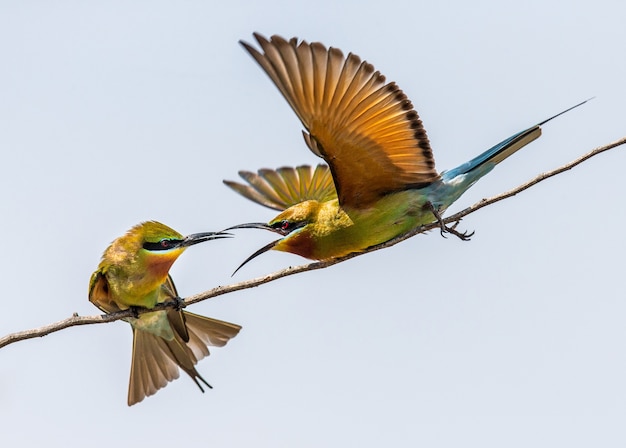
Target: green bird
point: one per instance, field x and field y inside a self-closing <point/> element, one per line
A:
<point x="134" y="273"/>
<point x="380" y="181"/>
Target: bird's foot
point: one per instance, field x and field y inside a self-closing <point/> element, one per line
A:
<point x="463" y="236"/>
<point x="443" y="228"/>
<point x="135" y="311"/>
<point x="179" y="303"/>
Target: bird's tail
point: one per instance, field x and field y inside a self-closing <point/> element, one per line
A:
<point x="456" y="181"/>
<point x="155" y="360"/>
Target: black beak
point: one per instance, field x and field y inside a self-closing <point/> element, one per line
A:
<point x="256" y="254"/>
<point x="196" y="238"/>
<point x="258" y="225"/>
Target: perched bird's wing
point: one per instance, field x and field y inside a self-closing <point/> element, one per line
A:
<point x="99" y="293"/>
<point x="175" y="317"/>
<point x="364" y="128"/>
<point x="280" y="189"/>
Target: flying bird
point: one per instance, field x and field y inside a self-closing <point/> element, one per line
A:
<point x="134" y="274"/>
<point x="380" y="179"/>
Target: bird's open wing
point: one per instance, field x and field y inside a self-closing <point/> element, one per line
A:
<point x="364" y="128"/>
<point x="280" y="189"/>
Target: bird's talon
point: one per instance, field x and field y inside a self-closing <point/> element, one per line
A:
<point x="135" y="311"/>
<point x="464" y="236"/>
<point x="179" y="303"/>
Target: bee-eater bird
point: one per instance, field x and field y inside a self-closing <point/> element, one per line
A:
<point x="134" y="273"/>
<point x="380" y="181"/>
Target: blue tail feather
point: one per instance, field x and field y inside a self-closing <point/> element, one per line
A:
<point x="457" y="180"/>
<point x="505" y="148"/>
<point x="495" y="154"/>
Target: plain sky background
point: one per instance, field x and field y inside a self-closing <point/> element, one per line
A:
<point x="116" y="112"/>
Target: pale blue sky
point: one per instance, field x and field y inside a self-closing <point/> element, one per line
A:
<point x="116" y="112"/>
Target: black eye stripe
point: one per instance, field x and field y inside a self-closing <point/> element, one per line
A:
<point x="282" y="225"/>
<point x="286" y="226"/>
<point x="164" y="244"/>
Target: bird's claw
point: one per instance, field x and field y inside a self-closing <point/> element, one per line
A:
<point x="179" y="303"/>
<point x="463" y="236"/>
<point x="443" y="228"/>
<point x="135" y="311"/>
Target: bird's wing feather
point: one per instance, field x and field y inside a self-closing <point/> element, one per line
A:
<point x="280" y="189"/>
<point x="99" y="293"/>
<point x="175" y="317"/>
<point x="364" y="128"/>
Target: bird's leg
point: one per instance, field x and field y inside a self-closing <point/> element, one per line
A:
<point x="464" y="236"/>
<point x="435" y="212"/>
<point x="135" y="311"/>
<point x="179" y="303"/>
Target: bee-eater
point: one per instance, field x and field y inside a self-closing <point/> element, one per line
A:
<point x="380" y="181"/>
<point x="134" y="273"/>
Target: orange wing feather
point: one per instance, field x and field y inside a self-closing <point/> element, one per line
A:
<point x="364" y="128"/>
<point x="280" y="189"/>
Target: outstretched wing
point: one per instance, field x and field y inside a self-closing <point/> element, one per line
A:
<point x="280" y="189"/>
<point x="364" y="128"/>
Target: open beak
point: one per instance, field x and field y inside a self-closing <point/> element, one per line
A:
<point x="256" y="254"/>
<point x="196" y="238"/>
<point x="258" y="225"/>
<point x="263" y="226"/>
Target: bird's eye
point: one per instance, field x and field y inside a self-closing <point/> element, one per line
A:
<point x="283" y="225"/>
<point x="166" y="244"/>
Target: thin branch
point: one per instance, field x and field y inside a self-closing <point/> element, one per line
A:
<point x="60" y="325"/>
<point x="221" y="290"/>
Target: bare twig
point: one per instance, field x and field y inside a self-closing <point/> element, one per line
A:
<point x="221" y="290"/>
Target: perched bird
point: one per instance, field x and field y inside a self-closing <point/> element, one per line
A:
<point x="133" y="273"/>
<point x="380" y="181"/>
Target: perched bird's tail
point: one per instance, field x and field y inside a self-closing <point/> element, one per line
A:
<point x="456" y="181"/>
<point x="155" y="360"/>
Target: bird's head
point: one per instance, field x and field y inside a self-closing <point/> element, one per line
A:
<point x="296" y="225"/>
<point x="153" y="246"/>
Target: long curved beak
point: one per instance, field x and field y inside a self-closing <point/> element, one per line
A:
<point x="256" y="254"/>
<point x="196" y="238"/>
<point x="256" y="225"/>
